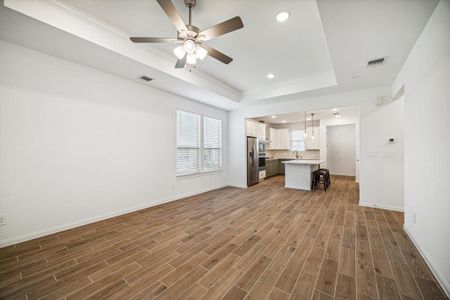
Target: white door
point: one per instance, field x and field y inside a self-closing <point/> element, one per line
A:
<point x="341" y="150"/>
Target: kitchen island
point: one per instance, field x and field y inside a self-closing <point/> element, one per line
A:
<point x="298" y="173"/>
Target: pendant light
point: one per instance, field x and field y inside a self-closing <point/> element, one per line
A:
<point x="312" y="126"/>
<point x="304" y="130"/>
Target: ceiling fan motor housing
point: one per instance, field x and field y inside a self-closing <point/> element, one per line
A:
<point x="192" y="32"/>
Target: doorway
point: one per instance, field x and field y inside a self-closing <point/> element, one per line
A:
<point x="341" y="150"/>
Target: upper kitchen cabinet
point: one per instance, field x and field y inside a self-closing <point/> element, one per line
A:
<point x="256" y="129"/>
<point x="310" y="143"/>
<point x="279" y="138"/>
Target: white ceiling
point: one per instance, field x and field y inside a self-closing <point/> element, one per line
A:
<point x="28" y="32"/>
<point x="293" y="49"/>
<point x="319" y="50"/>
<point x="360" y="30"/>
<point x="296" y="117"/>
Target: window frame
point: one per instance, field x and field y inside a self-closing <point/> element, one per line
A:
<point x="291" y="140"/>
<point x="201" y="170"/>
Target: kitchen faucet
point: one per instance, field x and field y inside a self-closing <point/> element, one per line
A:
<point x="296" y="155"/>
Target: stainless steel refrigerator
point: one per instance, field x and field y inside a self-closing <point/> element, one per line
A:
<point x="252" y="161"/>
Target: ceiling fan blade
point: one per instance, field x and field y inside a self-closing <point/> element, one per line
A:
<point x="173" y="14"/>
<point x="180" y="63"/>
<point x="154" y="40"/>
<point x="217" y="54"/>
<point x="221" y="29"/>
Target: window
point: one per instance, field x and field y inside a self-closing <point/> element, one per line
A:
<point x="297" y="140"/>
<point x="199" y="143"/>
<point x="188" y="143"/>
<point x="212" y="144"/>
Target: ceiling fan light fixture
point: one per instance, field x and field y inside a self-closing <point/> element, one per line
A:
<point x="191" y="59"/>
<point x="283" y="16"/>
<point x="201" y="52"/>
<point x="189" y="46"/>
<point x="179" y="52"/>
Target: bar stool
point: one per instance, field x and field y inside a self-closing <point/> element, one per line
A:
<point x="328" y="175"/>
<point x="320" y="176"/>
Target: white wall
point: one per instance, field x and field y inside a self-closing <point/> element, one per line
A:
<point x="426" y="80"/>
<point x="341" y="144"/>
<point x="77" y="145"/>
<point x="382" y="177"/>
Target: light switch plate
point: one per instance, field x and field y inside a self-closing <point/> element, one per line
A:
<point x="371" y="154"/>
<point x="389" y="154"/>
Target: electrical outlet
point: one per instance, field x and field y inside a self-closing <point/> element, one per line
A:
<point x="2" y="220"/>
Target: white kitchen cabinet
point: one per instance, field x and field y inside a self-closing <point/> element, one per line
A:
<point x="250" y="128"/>
<point x="272" y="136"/>
<point x="310" y="143"/>
<point x="283" y="138"/>
<point x="261" y="131"/>
<point x="256" y="129"/>
<point x="279" y="138"/>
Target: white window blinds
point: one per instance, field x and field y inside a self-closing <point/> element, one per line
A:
<point x="188" y="143"/>
<point x="199" y="143"/>
<point x="297" y="140"/>
<point x="212" y="144"/>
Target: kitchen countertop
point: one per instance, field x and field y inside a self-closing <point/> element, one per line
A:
<point x="305" y="161"/>
<point x="290" y="158"/>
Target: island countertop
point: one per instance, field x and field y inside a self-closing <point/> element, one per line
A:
<point x="305" y="161"/>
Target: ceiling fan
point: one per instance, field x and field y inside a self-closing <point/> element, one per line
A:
<point x="190" y="36"/>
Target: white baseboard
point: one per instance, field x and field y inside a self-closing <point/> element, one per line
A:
<point x="238" y="186"/>
<point x="59" y="228"/>
<point x="440" y="278"/>
<point x="376" y="205"/>
<point x="342" y="174"/>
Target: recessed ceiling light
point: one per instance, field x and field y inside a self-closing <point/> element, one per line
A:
<point x="308" y="119"/>
<point x="273" y="117"/>
<point x="335" y="109"/>
<point x="270" y="75"/>
<point x="283" y="16"/>
<point x="284" y="121"/>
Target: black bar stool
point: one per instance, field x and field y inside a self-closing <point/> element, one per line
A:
<point x="328" y="174"/>
<point x="321" y="176"/>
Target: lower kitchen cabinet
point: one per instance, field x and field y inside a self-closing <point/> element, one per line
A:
<point x="281" y="166"/>
<point x="275" y="167"/>
<point x="271" y="167"/>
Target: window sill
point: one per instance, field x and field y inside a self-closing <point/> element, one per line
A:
<point x="198" y="174"/>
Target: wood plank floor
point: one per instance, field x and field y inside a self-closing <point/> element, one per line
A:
<point x="265" y="242"/>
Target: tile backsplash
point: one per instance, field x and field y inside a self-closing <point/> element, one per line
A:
<point x="290" y="154"/>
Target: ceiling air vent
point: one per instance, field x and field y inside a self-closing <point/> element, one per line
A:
<point x="376" y="62"/>
<point x="145" y="78"/>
